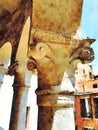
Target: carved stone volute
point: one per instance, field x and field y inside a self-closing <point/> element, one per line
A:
<point x="50" y="57"/>
<point x="55" y="54"/>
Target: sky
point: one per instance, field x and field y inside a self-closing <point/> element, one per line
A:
<point x="89" y="26"/>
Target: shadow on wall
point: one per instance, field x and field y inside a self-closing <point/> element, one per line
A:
<point x="1" y="128"/>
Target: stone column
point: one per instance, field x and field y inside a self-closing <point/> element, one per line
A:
<point x="4" y="60"/>
<point x="55" y="110"/>
<point x="27" y="118"/>
<point x="19" y="104"/>
<point x="22" y="78"/>
<point x="53" y="54"/>
<point x="3" y="71"/>
<point x="56" y="106"/>
<point x="20" y="95"/>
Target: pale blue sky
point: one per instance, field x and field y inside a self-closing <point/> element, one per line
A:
<point x="89" y="26"/>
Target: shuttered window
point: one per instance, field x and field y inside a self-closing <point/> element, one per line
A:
<point x="96" y="107"/>
<point x="86" y="108"/>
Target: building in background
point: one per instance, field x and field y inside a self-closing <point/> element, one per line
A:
<point x="86" y="99"/>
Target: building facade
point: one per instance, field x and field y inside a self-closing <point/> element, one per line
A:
<point x="86" y="99"/>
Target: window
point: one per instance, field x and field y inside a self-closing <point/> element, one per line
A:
<point x="83" y="88"/>
<point x="95" y="86"/>
<point x="85" y="107"/>
<point x="88" y="129"/>
<point x="91" y="75"/>
<point x="84" y="71"/>
<point x="96" y="107"/>
<point x="76" y="128"/>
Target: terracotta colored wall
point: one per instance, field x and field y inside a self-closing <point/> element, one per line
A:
<point x="85" y="122"/>
<point x="88" y="86"/>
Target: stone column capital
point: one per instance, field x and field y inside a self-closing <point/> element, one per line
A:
<point x="52" y="54"/>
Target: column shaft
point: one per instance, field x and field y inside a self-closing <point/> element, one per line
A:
<point x="18" y="112"/>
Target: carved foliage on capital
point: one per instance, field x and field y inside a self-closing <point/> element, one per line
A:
<point x="48" y="53"/>
<point x="81" y="51"/>
<point x="49" y="62"/>
<point x="53" y="54"/>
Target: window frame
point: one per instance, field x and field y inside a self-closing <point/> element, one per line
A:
<point x="84" y="102"/>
